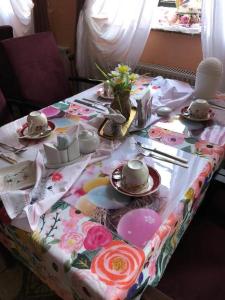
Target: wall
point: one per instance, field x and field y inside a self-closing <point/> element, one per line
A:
<point x="62" y="15"/>
<point x="173" y="49"/>
<point x="163" y="48"/>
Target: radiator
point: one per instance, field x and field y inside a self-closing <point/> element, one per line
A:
<point x="167" y="72"/>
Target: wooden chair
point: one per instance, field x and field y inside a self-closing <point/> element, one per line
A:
<point x="5" y="114"/>
<point x="38" y="76"/>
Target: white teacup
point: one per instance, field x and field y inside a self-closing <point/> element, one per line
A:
<point x="135" y="175"/>
<point x="108" y="92"/>
<point x="199" y="109"/>
<point x="37" y="122"/>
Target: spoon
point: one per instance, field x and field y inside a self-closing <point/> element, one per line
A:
<point x="117" y="175"/>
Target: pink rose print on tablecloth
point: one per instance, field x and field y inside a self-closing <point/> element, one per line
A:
<point x="173" y="139"/>
<point x="57" y="176"/>
<point x="197" y="185"/>
<point x="118" y="264"/>
<point x="215" y="152"/>
<point x="156" y="133"/>
<point x="97" y="236"/>
<point x="205" y="148"/>
<point x="71" y="241"/>
<point x="86" y="226"/>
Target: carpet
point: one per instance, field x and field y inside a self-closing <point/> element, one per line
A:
<point x="19" y="283"/>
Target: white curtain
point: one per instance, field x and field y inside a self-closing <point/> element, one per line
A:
<point x="213" y="32"/>
<point x="111" y="32"/>
<point x="18" y="14"/>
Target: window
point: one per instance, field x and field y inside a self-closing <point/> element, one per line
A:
<point x="178" y="15"/>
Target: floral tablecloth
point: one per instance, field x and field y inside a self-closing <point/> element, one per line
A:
<point x="75" y="251"/>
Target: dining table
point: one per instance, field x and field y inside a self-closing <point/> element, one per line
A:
<point x="66" y="232"/>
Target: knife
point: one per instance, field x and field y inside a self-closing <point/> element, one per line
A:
<point x="217" y="106"/>
<point x="90" y="105"/>
<point x="144" y="146"/>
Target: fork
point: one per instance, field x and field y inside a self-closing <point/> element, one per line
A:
<point x="12" y="148"/>
<point x="166" y="159"/>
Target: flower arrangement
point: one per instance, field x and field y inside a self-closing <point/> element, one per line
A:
<point x="120" y="79"/>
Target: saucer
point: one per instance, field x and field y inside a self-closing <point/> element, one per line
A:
<point x="23" y="132"/>
<point x="151" y="186"/>
<point x="184" y="113"/>
<point x="100" y="93"/>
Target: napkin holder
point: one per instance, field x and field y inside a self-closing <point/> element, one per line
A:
<point x="120" y="130"/>
<point x="64" y="153"/>
<point x="144" y="108"/>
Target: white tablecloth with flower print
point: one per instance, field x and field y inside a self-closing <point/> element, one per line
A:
<point x="77" y="256"/>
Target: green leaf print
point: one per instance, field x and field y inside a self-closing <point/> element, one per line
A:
<point x="191" y="140"/>
<point x="59" y="204"/>
<point x="81" y="262"/>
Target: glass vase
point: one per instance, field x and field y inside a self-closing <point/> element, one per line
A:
<point x="122" y="103"/>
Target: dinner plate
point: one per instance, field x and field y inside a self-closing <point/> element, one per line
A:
<point x="184" y="113"/>
<point x="23" y="132"/>
<point x="152" y="185"/>
<point x="100" y="93"/>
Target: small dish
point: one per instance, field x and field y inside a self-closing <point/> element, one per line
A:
<point x="100" y="94"/>
<point x="152" y="186"/>
<point x="185" y="114"/>
<point x="23" y="132"/>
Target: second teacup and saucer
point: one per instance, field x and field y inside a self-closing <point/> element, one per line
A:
<point x="199" y="110"/>
<point x="135" y="179"/>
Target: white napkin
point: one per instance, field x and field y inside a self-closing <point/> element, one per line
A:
<point x="50" y="186"/>
<point x="169" y="92"/>
<point x="172" y="93"/>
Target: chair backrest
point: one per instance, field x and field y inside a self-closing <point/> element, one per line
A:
<point x="6" y="32"/>
<point x="37" y="68"/>
<point x="5" y="115"/>
<point x="7" y="82"/>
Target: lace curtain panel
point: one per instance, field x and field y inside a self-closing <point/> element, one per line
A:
<point x="18" y="14"/>
<point x="213" y="32"/>
<point x="111" y="32"/>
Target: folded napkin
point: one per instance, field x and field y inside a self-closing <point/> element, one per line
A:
<point x="170" y="92"/>
<point x="166" y="92"/>
<point x="50" y="186"/>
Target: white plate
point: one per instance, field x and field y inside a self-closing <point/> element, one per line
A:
<point x="18" y="176"/>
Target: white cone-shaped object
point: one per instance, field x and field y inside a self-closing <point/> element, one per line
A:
<point x="208" y="78"/>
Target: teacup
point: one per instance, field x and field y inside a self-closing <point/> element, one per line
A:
<point x="107" y="89"/>
<point x="199" y="109"/>
<point x="135" y="175"/>
<point x="37" y="122"/>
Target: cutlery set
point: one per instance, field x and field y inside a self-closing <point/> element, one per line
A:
<point x="160" y="155"/>
<point x="12" y="149"/>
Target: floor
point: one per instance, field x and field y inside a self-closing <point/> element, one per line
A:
<point x="18" y="283"/>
